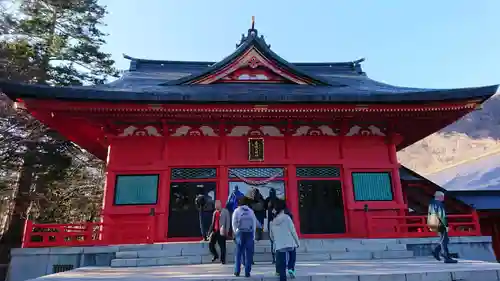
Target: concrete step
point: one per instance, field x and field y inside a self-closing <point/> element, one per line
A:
<point x="309" y="250"/>
<point x="158" y="258"/>
<point x="307" y="246"/>
<point x="344" y="270"/>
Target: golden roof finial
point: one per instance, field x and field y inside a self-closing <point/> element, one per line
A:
<point x="253" y="22"/>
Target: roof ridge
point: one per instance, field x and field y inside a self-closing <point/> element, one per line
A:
<point x="490" y="153"/>
<point x="141" y="60"/>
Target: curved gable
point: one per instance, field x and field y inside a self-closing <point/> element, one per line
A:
<point x="253" y="62"/>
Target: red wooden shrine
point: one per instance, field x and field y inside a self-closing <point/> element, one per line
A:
<point x="322" y="134"/>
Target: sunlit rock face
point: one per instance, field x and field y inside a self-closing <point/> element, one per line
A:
<point x="473" y="138"/>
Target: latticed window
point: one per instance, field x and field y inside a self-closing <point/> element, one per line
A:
<point x="193" y="173"/>
<point x="256" y="172"/>
<point x="136" y="189"/>
<point x="57" y="268"/>
<point x="371" y="186"/>
<point x="318" y="172"/>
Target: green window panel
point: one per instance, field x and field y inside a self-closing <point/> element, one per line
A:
<point x="136" y="189"/>
<point x="371" y="186"/>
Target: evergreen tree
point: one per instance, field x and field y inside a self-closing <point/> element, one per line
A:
<point x="67" y="40"/>
<point x="55" y="42"/>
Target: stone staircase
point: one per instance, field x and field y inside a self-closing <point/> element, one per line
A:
<point x="310" y="250"/>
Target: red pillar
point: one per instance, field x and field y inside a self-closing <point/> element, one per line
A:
<point x="292" y="194"/>
<point x="393" y="141"/>
<point x="495" y="235"/>
<point x="107" y="224"/>
<point x="348" y="197"/>
<point x="108" y="195"/>
<point x="223" y="185"/>
<point x="162" y="207"/>
<point x="222" y="191"/>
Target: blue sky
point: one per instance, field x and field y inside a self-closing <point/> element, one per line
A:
<point x="426" y="43"/>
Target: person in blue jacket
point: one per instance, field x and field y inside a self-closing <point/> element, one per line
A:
<point x="232" y="200"/>
<point x="436" y="207"/>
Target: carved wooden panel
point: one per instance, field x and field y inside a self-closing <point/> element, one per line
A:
<point x="322" y="130"/>
<point x="140" y="130"/>
<point x="363" y="130"/>
<point x="256" y="131"/>
<point x="193" y="131"/>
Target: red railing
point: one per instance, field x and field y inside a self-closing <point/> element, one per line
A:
<point x="408" y="226"/>
<point x="88" y="234"/>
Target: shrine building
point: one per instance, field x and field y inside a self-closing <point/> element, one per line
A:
<point x="323" y="135"/>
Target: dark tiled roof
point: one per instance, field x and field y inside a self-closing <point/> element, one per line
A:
<point x="406" y="174"/>
<point x="481" y="202"/>
<point x="159" y="81"/>
<point x="173" y="70"/>
<point x="230" y="93"/>
<point x="410" y="175"/>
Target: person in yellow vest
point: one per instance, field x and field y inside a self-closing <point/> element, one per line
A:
<point x="436" y="219"/>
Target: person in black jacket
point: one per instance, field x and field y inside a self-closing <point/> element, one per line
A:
<point x="258" y="206"/>
<point x="270" y="204"/>
<point x="200" y="202"/>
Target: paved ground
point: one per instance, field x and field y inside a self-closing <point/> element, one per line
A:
<point x="394" y="270"/>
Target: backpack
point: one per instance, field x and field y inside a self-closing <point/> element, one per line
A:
<point x="433" y="221"/>
<point x="245" y="221"/>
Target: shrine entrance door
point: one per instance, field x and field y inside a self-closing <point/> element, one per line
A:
<point x="184" y="216"/>
<point x="266" y="180"/>
<point x="320" y="199"/>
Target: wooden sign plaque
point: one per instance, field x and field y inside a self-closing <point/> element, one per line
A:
<point x="255" y="149"/>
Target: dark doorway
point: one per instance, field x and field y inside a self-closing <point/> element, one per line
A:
<point x="321" y="208"/>
<point x="183" y="217"/>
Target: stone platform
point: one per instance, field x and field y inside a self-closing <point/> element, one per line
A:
<point x="45" y="261"/>
<point x="415" y="269"/>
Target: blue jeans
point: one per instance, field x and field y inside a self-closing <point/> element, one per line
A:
<point x="244" y="250"/>
<point x="442" y="247"/>
<point x="282" y="264"/>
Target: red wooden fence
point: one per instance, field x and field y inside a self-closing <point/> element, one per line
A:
<point x="88" y="234"/>
<point x="408" y="226"/>
<point x="139" y="232"/>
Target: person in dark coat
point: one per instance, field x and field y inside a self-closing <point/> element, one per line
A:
<point x="258" y="206"/>
<point x="200" y="202"/>
<point x="270" y="205"/>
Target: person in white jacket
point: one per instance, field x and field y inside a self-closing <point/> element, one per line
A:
<point x="286" y="241"/>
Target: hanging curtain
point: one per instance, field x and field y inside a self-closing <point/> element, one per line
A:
<point x="256" y="182"/>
